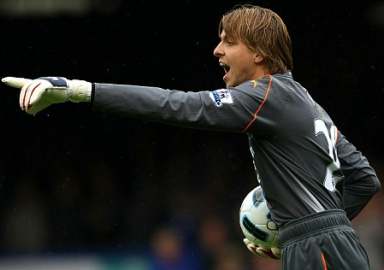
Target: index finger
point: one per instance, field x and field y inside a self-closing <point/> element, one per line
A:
<point x="15" y="81"/>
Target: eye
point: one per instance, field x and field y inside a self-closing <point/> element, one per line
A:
<point x="230" y="42"/>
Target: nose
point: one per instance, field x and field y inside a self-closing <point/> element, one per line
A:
<point x="218" y="51"/>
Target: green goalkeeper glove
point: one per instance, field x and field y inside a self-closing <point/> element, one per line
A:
<point x="38" y="94"/>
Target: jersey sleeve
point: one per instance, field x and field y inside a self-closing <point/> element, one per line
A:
<point x="221" y="110"/>
<point x="361" y="181"/>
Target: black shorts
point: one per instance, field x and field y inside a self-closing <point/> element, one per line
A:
<point x="322" y="241"/>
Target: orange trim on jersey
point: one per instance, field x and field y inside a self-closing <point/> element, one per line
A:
<point x="323" y="261"/>
<point x="254" y="83"/>
<point x="260" y="106"/>
<point x="337" y="134"/>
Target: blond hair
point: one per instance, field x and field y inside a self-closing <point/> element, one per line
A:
<point x="262" y="31"/>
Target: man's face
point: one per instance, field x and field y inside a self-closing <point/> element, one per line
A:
<point x="237" y="60"/>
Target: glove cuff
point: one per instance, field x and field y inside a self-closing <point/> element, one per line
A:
<point x="79" y="91"/>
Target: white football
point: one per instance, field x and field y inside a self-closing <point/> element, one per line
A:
<point x="255" y="220"/>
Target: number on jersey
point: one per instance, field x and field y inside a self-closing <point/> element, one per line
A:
<point x="331" y="176"/>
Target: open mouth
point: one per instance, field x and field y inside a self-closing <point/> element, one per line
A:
<point x="225" y="67"/>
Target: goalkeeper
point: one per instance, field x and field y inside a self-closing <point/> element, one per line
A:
<point x="314" y="180"/>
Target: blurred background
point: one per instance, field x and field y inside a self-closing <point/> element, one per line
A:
<point x="82" y="190"/>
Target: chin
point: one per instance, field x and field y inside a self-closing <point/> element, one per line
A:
<point x="231" y="83"/>
<point x="228" y="84"/>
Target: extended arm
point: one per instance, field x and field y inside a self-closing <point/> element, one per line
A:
<point x="222" y="109"/>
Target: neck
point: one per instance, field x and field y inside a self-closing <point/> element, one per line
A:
<point x="261" y="71"/>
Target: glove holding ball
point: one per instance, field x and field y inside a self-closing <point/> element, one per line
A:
<point x="261" y="233"/>
<point x="273" y="252"/>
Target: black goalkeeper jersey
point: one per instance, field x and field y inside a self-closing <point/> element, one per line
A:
<point x="303" y="162"/>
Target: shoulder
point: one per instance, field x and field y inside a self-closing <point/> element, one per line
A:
<point x="260" y="83"/>
<point x="278" y="80"/>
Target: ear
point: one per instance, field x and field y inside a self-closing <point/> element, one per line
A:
<point x="258" y="58"/>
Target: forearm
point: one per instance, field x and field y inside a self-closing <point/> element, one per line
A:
<point x="357" y="196"/>
<point x="189" y="109"/>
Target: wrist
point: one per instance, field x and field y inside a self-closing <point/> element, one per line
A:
<point x="79" y="91"/>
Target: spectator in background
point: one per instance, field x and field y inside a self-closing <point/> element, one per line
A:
<point x="170" y="252"/>
<point x="230" y="257"/>
<point x="213" y="239"/>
